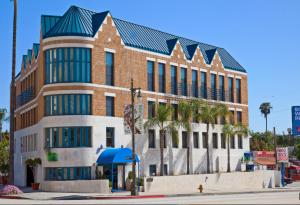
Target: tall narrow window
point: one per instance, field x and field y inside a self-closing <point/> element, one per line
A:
<point x="230" y="89"/>
<point x="213" y="85"/>
<point x="221" y="88"/>
<point x="232" y="117"/>
<point x="173" y="80"/>
<point x="109" y="75"/>
<point x="150" y="77"/>
<point x="240" y="141"/>
<point x="204" y="140"/>
<point x="165" y="170"/>
<point x="194" y="83"/>
<point x="232" y="142"/>
<point x="174" y="142"/>
<point x="215" y="140"/>
<point x="238" y="90"/>
<point x="239" y="116"/>
<point x="110" y="104"/>
<point x="223" y="141"/>
<point x="110" y="137"/>
<point x="151" y="138"/>
<point x="183" y="81"/>
<point x="196" y="139"/>
<point x="152" y="170"/>
<point x="162" y="77"/>
<point x="151" y="109"/>
<point x="203" y="85"/>
<point x="184" y="139"/>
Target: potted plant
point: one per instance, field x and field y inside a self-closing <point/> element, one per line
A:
<point x="32" y="164"/>
<point x="129" y="181"/>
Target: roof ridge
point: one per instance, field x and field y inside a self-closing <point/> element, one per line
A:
<point x="175" y="36"/>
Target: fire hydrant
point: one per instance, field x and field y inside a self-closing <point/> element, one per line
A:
<point x="200" y="188"/>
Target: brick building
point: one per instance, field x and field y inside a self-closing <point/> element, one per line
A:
<point x="74" y="84"/>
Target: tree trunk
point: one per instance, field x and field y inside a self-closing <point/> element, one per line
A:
<point x="207" y="149"/>
<point x="188" y="154"/>
<point x="161" y="140"/>
<point x="228" y="154"/>
<point x="12" y="97"/>
<point x="266" y="124"/>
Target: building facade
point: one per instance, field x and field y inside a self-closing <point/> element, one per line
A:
<point x="74" y="85"/>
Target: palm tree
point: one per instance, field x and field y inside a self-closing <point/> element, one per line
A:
<point x="185" y="111"/>
<point x="208" y="114"/>
<point x="162" y="120"/>
<point x="13" y="96"/>
<point x="265" y="109"/>
<point x="230" y="131"/>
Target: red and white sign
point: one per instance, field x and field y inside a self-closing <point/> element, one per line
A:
<point x="282" y="154"/>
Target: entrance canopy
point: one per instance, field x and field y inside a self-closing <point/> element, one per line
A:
<point x="116" y="156"/>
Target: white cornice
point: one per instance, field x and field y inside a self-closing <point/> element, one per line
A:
<point x="62" y="38"/>
<point x="68" y="45"/>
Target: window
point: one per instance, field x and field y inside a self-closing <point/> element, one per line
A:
<point x="152" y="170"/>
<point x="173" y="80"/>
<point x="67" y="65"/>
<point x="238" y="90"/>
<point x="239" y="116"/>
<point x="196" y="139"/>
<point x="162" y="77"/>
<point x="165" y="169"/>
<point x="110" y="106"/>
<point x="150" y="71"/>
<point x="68" y="104"/>
<point x="184" y="139"/>
<point x="194" y="83"/>
<point x="174" y="143"/>
<point x="215" y="140"/>
<point x="151" y="138"/>
<point x="203" y="85"/>
<point x="232" y="117"/>
<point x="240" y="142"/>
<point x="174" y="111"/>
<point x="222" y="120"/>
<point x="67" y="173"/>
<point x="183" y="81"/>
<point x="68" y="137"/>
<point x="110" y="137"/>
<point x="230" y="89"/>
<point x="151" y="109"/>
<point x="232" y="142"/>
<point x="223" y="141"/>
<point x="213" y="85"/>
<point x="221" y="88"/>
<point x="204" y="140"/>
<point x="109" y="68"/>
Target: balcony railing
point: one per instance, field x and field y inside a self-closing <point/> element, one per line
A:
<point x="194" y="91"/>
<point x="25" y="97"/>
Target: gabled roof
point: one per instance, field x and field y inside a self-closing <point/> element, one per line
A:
<point x="36" y="48"/>
<point x="29" y="55"/>
<point x="81" y="22"/>
<point x="24" y="61"/>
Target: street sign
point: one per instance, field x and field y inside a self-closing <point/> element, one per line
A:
<point x="138" y="116"/>
<point x="296" y="120"/>
<point x="282" y="154"/>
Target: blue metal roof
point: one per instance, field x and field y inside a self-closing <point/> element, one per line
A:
<point x="24" y="61"/>
<point x="29" y="55"/>
<point x="36" y="48"/>
<point x="116" y="156"/>
<point x="81" y="22"/>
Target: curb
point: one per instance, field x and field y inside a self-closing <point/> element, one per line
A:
<point x="12" y="197"/>
<point x="130" y="197"/>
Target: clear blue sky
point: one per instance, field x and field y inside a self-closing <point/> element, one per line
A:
<point x="263" y="35"/>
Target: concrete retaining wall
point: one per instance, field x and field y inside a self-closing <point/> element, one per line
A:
<point x="80" y="186"/>
<point x="220" y="181"/>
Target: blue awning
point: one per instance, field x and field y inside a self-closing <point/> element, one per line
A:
<point x="116" y="156"/>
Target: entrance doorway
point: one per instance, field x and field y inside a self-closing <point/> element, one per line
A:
<point x="29" y="176"/>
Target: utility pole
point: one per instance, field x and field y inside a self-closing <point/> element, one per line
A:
<point x="275" y="145"/>
<point x="133" y="93"/>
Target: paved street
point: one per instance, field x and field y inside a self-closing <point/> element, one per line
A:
<point x="291" y="197"/>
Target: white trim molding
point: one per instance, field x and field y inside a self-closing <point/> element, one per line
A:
<point x="147" y="52"/>
<point x="67" y="45"/>
<point x="234" y="71"/>
<point x="29" y="108"/>
<point x="162" y="101"/>
<point x="61" y="38"/>
<point x="230" y="75"/>
<point x="161" y="61"/>
<point x="231" y="109"/>
<point x="110" y="50"/>
<point x="150" y="59"/>
<point x="174" y="64"/>
<point x="174" y="102"/>
<point x="213" y="72"/>
<point x="238" y="77"/>
<point x="239" y="109"/>
<point x="57" y="92"/>
<point x="151" y="99"/>
<point x="194" y="68"/>
<point x="183" y="66"/>
<point x="203" y="70"/>
<point x="110" y="94"/>
<point x="223" y="74"/>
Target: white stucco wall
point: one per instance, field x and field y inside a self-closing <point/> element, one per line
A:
<point x="175" y="158"/>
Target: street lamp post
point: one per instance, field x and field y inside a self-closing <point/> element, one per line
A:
<point x="289" y="130"/>
<point x="133" y="93"/>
